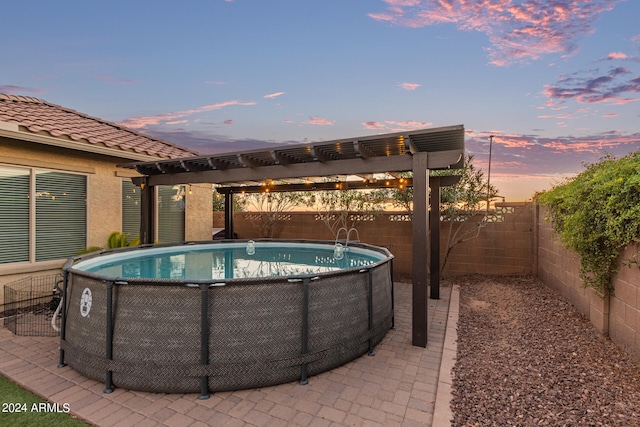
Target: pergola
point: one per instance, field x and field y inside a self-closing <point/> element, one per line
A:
<point x="304" y="167"/>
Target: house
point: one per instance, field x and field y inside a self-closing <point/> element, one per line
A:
<point x="61" y="189"/>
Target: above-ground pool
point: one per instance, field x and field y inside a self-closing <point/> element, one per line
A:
<point x="227" y="315"/>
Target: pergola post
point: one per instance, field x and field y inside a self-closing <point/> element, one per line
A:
<point x="420" y="231"/>
<point x="147" y="212"/>
<point x="434" y="229"/>
<point x="228" y="215"/>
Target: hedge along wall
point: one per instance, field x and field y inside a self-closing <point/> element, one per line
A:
<point x="503" y="247"/>
<point x="618" y="315"/>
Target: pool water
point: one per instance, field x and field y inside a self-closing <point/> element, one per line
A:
<point x="229" y="261"/>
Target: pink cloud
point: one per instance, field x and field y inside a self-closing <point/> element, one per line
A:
<point x="617" y="55"/>
<point x="517" y="32"/>
<point x="168" y="118"/>
<point x="395" y="126"/>
<point x="319" y="121"/>
<point x="512" y="140"/>
<point x="607" y="116"/>
<point x="596" y="144"/>
<point x="609" y="88"/>
<point x="17" y="90"/>
<point x="520" y="158"/>
<point x="372" y="125"/>
<point x="624" y="101"/>
<point x="409" y="86"/>
<point x="228" y="122"/>
<point x="113" y="79"/>
<point x="409" y="124"/>
<point x="274" y="95"/>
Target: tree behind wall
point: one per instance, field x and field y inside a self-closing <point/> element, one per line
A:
<point x="462" y="205"/>
<point x="269" y="209"/>
<point x="344" y="207"/>
<point x="219" y="202"/>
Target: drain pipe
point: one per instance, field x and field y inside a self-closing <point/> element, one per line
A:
<point x="57" y="312"/>
<point x="55" y="316"/>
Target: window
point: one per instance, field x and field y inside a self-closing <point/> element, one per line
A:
<point x="43" y="214"/>
<point x="61" y="215"/>
<point x="14" y="214"/>
<point x="171" y="213"/>
<point x="130" y="209"/>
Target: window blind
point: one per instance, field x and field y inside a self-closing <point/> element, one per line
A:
<point x="61" y="214"/>
<point x="14" y="214"/>
<point x="130" y="209"/>
<point x="171" y="213"/>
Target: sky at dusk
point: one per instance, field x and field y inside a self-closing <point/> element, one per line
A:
<point x="557" y="82"/>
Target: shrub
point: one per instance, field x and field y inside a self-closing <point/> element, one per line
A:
<point x="597" y="214"/>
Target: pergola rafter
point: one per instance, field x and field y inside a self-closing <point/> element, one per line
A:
<point x="416" y="151"/>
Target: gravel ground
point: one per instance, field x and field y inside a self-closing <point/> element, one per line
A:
<point x="526" y="358"/>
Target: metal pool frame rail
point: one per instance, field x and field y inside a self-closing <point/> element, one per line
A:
<point x="275" y="330"/>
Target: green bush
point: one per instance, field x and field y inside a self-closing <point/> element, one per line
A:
<point x="597" y="214"/>
<point x="117" y="240"/>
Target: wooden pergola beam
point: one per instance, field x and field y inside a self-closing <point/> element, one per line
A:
<point x="318" y="186"/>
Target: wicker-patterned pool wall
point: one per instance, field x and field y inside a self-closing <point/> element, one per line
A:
<point x="176" y="337"/>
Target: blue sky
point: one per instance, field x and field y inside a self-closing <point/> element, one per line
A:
<point x="557" y="82"/>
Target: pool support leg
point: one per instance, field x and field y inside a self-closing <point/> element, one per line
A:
<point x="393" y="300"/>
<point x="305" y="328"/>
<point x="108" y="388"/>
<point x="370" y="303"/>
<point x="204" y="339"/>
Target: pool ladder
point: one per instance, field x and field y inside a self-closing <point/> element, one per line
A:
<point x="338" y="249"/>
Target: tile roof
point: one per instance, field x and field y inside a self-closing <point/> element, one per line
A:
<point x="40" y="117"/>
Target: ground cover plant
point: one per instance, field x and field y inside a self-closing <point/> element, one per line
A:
<point x="597" y="214"/>
<point x="21" y="408"/>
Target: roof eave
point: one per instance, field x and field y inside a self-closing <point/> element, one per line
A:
<point x="12" y="131"/>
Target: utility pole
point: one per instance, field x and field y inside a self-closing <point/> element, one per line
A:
<point x="489" y="174"/>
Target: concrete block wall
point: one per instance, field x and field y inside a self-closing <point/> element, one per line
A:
<point x="624" y="304"/>
<point x="616" y="315"/>
<point x="504" y="247"/>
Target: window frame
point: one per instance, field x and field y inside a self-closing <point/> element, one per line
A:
<point x="33" y="171"/>
<point x="122" y="206"/>
<point x="181" y="193"/>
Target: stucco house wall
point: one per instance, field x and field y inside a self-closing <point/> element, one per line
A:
<point x="28" y="140"/>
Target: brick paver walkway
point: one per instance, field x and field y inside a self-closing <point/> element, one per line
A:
<point x="396" y="387"/>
